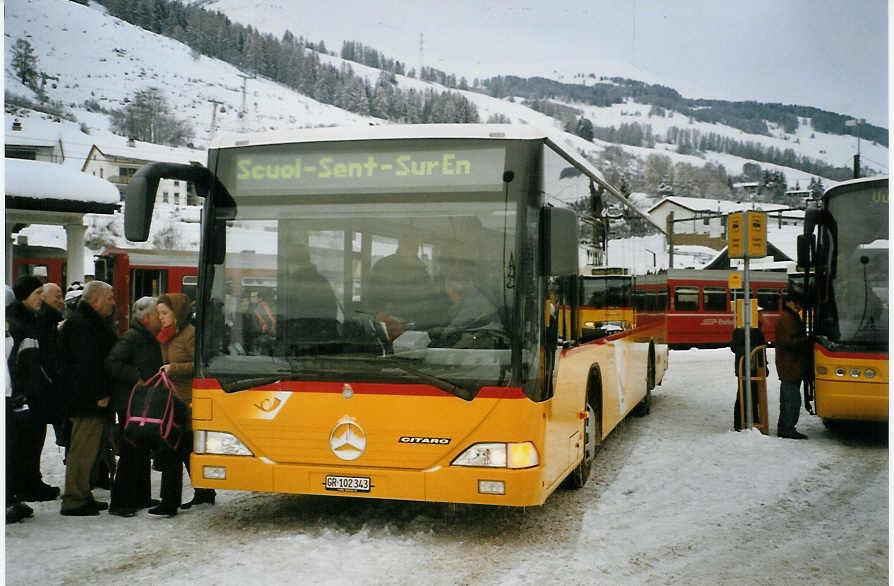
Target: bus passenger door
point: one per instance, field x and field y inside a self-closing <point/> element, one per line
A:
<point x="566" y="403"/>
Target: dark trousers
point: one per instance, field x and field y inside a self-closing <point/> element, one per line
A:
<point x="172" y="465"/>
<point x="31" y="436"/>
<point x="132" y="487"/>
<point x="789" y="406"/>
<point x="15" y="422"/>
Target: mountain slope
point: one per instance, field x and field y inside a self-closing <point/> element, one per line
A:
<point x="123" y="59"/>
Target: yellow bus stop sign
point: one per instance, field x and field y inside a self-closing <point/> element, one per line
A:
<point x="735" y="233"/>
<point x="735" y="280"/>
<point x="756" y="246"/>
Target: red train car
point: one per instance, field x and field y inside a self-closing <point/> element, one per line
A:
<point x="135" y="273"/>
<point x="700" y="311"/>
<point x="46" y="262"/>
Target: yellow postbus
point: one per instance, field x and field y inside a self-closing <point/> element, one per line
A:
<point x="844" y="252"/>
<point x="412" y="349"/>
<point x="606" y="303"/>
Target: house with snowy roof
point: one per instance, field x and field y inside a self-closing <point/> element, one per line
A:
<point x="700" y="221"/>
<point x="118" y="164"/>
<point x="21" y="145"/>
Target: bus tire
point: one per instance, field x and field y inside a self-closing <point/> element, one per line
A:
<point x="644" y="407"/>
<point x="592" y="440"/>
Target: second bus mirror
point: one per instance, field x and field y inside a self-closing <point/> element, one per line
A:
<point x="559" y="231"/>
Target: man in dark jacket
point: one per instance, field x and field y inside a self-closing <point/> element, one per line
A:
<point x="792" y="364"/>
<point x="31" y="380"/>
<point x="51" y="314"/>
<point x="135" y="358"/>
<point x="87" y="339"/>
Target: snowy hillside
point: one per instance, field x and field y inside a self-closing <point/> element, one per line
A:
<point x="100" y="60"/>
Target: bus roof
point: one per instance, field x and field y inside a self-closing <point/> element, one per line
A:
<point x="423" y="131"/>
<point x="851" y="184"/>
<point x="383" y="132"/>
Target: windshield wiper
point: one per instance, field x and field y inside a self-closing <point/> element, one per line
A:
<point x="234" y="383"/>
<point x="460" y="391"/>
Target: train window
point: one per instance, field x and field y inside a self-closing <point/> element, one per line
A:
<point x="768" y="299"/>
<point x="714" y="299"/>
<point x="147" y="282"/>
<point x="686" y="298"/>
<point x="188" y="285"/>
<point x="662" y="300"/>
<point x="652" y="301"/>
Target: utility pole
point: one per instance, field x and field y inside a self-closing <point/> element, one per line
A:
<point x="670" y="239"/>
<point x="421" y="55"/>
<point x="214" y="104"/>
<point x="245" y="79"/>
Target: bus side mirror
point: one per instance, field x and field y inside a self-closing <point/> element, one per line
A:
<point x="139" y="202"/>
<point x="559" y="237"/>
<point x="142" y="187"/>
<point x="804" y="242"/>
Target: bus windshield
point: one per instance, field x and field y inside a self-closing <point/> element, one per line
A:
<point x="861" y="284"/>
<point x="606" y="291"/>
<point x="376" y="266"/>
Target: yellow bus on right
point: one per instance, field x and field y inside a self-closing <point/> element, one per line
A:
<point x="844" y="255"/>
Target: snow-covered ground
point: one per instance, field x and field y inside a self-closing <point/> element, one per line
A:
<point x="675" y="498"/>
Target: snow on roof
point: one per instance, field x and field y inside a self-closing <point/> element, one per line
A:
<point x="144" y="151"/>
<point x="16" y="139"/>
<point x="40" y="180"/>
<point x="723" y="206"/>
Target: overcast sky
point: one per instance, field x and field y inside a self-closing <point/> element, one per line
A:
<point x="829" y="54"/>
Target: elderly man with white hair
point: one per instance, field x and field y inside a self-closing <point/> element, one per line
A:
<point x="87" y="338"/>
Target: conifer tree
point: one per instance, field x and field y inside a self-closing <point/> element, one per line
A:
<point x="24" y="63"/>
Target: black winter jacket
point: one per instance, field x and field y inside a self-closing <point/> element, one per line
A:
<point x="30" y="382"/>
<point x="136" y="355"/>
<point x="87" y="339"/>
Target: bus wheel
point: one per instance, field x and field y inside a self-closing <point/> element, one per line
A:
<point x="644" y="407"/>
<point x="592" y="436"/>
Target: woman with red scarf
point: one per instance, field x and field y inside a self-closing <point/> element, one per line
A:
<point x="177" y="339"/>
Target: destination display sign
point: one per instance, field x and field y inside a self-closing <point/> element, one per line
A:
<point x="289" y="171"/>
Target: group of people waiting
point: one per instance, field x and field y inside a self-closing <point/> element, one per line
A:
<point x="68" y="368"/>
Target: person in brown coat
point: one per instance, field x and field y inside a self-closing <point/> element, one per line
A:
<point x="792" y="364"/>
<point x="177" y="339"/>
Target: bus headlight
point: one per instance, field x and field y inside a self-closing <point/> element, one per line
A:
<point x="499" y="455"/>
<point x="869" y="372"/>
<point x="855" y="372"/>
<point x="219" y="442"/>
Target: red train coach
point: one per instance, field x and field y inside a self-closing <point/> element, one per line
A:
<point x="700" y="313"/>
<point x="135" y="273"/>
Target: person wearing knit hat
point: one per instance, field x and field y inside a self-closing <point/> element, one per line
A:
<point x="29" y="380"/>
<point x="25" y="287"/>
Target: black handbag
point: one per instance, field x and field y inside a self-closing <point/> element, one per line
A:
<point x="155" y="416"/>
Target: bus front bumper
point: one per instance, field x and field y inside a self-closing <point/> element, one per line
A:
<point x="453" y="484"/>
<point x="861" y="401"/>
